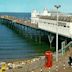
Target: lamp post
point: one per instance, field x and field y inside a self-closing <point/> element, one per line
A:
<point x="57" y="7"/>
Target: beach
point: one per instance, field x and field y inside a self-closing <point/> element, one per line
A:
<point x="22" y="65"/>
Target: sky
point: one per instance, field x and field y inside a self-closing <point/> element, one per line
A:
<point x="29" y="5"/>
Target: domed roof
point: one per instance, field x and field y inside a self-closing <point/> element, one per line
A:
<point x="34" y="13"/>
<point x="45" y="10"/>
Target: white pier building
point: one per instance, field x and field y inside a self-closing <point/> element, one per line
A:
<point x="48" y="21"/>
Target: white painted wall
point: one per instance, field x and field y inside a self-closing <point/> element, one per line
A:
<point x="52" y="27"/>
<point x="35" y="20"/>
<point x="71" y="29"/>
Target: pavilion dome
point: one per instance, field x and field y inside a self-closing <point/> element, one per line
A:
<point x="45" y="12"/>
<point x="34" y="13"/>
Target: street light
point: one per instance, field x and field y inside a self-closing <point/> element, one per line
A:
<point x="57" y="7"/>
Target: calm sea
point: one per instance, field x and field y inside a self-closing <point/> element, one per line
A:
<point x="14" y="46"/>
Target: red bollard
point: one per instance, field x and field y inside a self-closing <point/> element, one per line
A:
<point x="48" y="59"/>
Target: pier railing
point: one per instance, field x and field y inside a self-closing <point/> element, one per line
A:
<point x="20" y="21"/>
<point x="61" y="18"/>
<point x="68" y="45"/>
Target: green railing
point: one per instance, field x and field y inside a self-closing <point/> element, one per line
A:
<point x="68" y="46"/>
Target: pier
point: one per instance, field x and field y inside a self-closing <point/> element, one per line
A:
<point x="27" y="26"/>
<point x="38" y="31"/>
<point x="20" y="21"/>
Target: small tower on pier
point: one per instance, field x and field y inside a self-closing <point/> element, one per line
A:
<point x="45" y="12"/>
<point x="34" y="17"/>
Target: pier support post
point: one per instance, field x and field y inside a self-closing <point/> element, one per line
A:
<point x="39" y="37"/>
<point x="50" y="37"/>
<point x="35" y="35"/>
<point x="20" y="28"/>
<point x="23" y="29"/>
<point x="31" y="33"/>
<point x="6" y="21"/>
<point x="12" y="25"/>
<point x="26" y="29"/>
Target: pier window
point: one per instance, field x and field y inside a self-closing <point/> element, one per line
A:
<point x="61" y="24"/>
<point x="67" y="26"/>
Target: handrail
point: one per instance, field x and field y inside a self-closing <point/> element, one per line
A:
<point x="64" y="47"/>
<point x="68" y="44"/>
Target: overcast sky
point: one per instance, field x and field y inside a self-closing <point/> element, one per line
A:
<point x="29" y="5"/>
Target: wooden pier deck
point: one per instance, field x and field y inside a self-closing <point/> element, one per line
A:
<point x="20" y="21"/>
